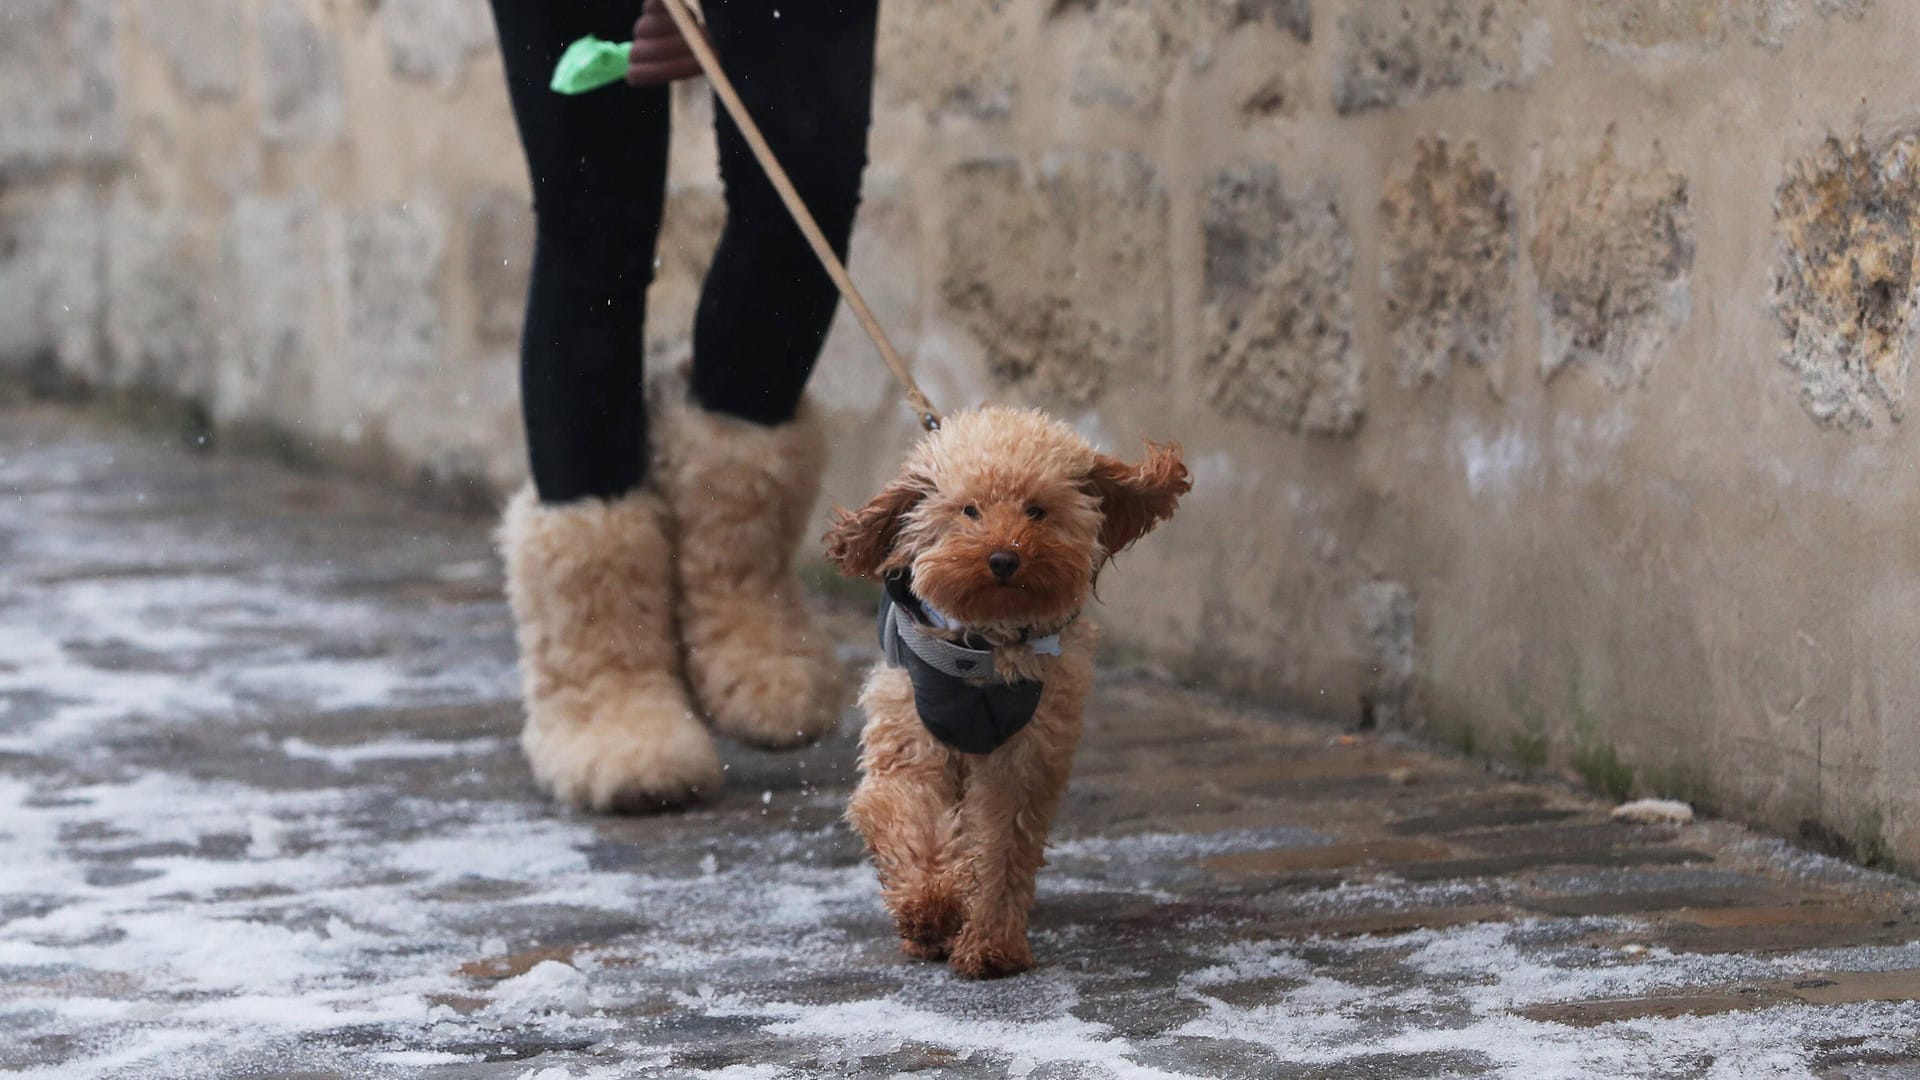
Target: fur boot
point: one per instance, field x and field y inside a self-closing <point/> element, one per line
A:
<point x="609" y="725"/>
<point x="741" y="494"/>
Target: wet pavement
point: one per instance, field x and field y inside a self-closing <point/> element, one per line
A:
<point x="262" y="814"/>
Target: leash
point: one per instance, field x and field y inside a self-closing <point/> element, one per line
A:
<point x="694" y="30"/>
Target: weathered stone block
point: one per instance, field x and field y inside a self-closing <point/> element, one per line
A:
<point x="1293" y="16"/>
<point x="499" y="259"/>
<point x="1448" y="278"/>
<point x="1127" y="51"/>
<point x="1645" y="24"/>
<point x="688" y="235"/>
<point x="1387" y="611"/>
<point x="161" y="316"/>
<point x="1768" y="22"/>
<point x="433" y="39"/>
<point x="1844" y="286"/>
<point x="1060" y="271"/>
<point x="949" y="55"/>
<point x="885" y="260"/>
<point x="1632" y="25"/>
<point x="1278" y="315"/>
<point x="59" y="85"/>
<point x="205" y="42"/>
<point x="1395" y="51"/>
<point x="269" y="355"/>
<point x="51" y="266"/>
<point x="393" y="288"/>
<point x="300" y="76"/>
<point x="1613" y="247"/>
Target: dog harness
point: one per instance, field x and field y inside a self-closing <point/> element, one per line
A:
<point x="954" y="688"/>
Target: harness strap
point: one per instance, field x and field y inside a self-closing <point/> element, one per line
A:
<point x="946" y="657"/>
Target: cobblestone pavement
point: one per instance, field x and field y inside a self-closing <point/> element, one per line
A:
<point x="262" y="814"/>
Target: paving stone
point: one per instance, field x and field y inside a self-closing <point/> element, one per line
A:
<point x="1267" y="864"/>
<point x="1464" y="820"/>
<point x="1660" y="1007"/>
<point x="1632" y="902"/>
<point x="1780" y="937"/>
<point x="1509" y="864"/>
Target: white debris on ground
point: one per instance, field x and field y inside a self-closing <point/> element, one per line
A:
<point x="548" y="987"/>
<point x="1654" y="812"/>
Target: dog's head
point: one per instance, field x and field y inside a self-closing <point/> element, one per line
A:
<point x="1004" y="517"/>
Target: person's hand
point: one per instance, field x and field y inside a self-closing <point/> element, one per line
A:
<point x="660" y="55"/>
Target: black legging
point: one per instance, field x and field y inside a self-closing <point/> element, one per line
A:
<point x="599" y="163"/>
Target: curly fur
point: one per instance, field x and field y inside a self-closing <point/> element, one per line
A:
<point x="609" y="726"/>
<point x="959" y="838"/>
<point x="741" y="494"/>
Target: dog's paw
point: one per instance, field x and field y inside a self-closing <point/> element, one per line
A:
<point x="924" y="950"/>
<point x="930" y="916"/>
<point x="982" y="960"/>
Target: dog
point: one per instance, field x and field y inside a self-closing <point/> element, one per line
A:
<point x="989" y="545"/>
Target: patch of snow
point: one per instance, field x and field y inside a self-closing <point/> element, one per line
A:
<point x="266" y="836"/>
<point x="548" y="987"/>
<point x="398" y="748"/>
<point x="1487" y="971"/>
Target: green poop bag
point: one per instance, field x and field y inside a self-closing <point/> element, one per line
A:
<point x="589" y="64"/>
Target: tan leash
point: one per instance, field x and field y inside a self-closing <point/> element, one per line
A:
<point x="693" y="29"/>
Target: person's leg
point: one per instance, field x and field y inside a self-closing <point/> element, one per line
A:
<point x="805" y="72"/>
<point x="741" y="455"/>
<point x="598" y="164"/>
<point x="589" y="558"/>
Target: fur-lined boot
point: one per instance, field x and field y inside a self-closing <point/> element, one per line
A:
<point x="741" y="494"/>
<point x="609" y="725"/>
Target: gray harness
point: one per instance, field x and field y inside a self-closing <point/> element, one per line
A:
<point x="955" y="688"/>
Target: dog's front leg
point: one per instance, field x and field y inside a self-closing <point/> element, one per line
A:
<point x="1005" y="812"/>
<point x="904" y="807"/>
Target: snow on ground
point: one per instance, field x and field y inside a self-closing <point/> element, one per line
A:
<point x="262" y="809"/>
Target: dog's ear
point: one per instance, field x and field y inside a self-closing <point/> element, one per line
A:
<point x="1135" y="498"/>
<point x="860" y="542"/>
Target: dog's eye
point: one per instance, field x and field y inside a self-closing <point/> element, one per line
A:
<point x="1035" y="513"/>
<point x="971" y="511"/>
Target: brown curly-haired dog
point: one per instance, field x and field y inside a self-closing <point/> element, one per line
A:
<point x="1001" y="520"/>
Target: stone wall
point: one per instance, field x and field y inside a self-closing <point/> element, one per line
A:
<point x="1542" y="362"/>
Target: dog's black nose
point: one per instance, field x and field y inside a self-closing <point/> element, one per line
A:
<point x="1003" y="564"/>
